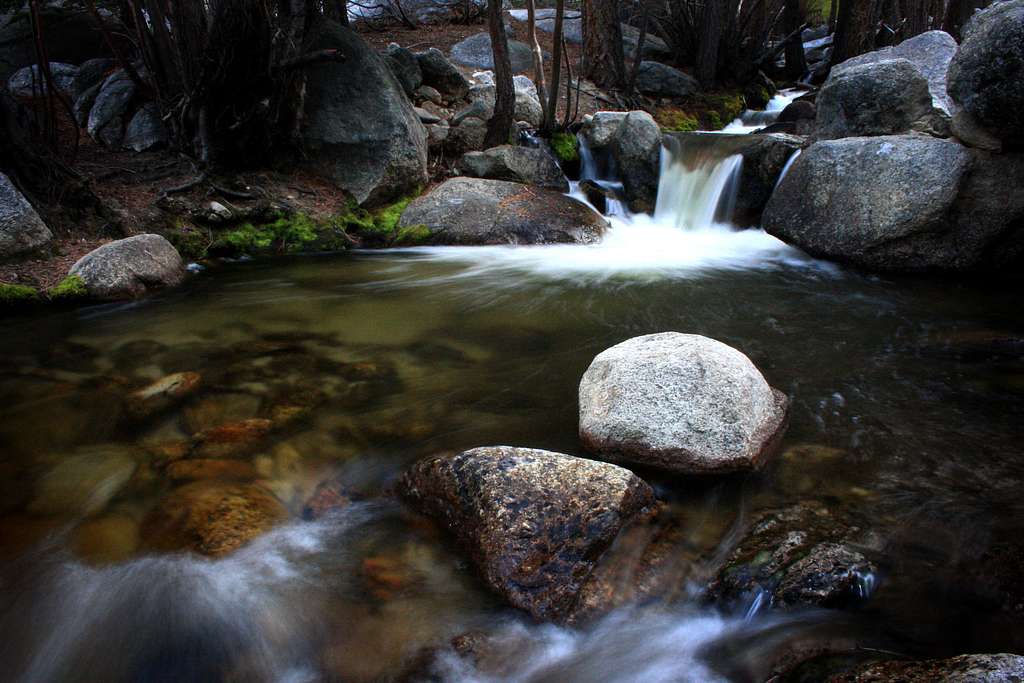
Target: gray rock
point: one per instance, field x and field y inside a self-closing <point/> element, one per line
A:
<point x="111" y="105"/>
<point x="679" y="402"/>
<point x="801" y="110"/>
<point x="84" y="482"/>
<point x="660" y="80"/>
<point x="885" y="203"/>
<point x="21" y="228"/>
<point x="466" y="136"/>
<point x="930" y="52"/>
<point x="475" y="52"/>
<point x="655" y="49"/>
<point x="146" y="129"/>
<point x="129" y="268"/>
<point x="426" y="93"/>
<point x="876" y="98"/>
<point x="599" y="131"/>
<point x="528" y="165"/>
<point x="361" y="130"/>
<point x="527" y="107"/>
<point x="472" y="211"/>
<point x="534" y="522"/>
<point x="764" y="157"/>
<point x="90" y="73"/>
<point x="988" y="668"/>
<point x="636" y="149"/>
<point x="83" y="105"/>
<point x="405" y="67"/>
<point x="70" y="36"/>
<point x="21" y="83"/>
<point x="986" y="77"/>
<point x="441" y="74"/>
<point x="426" y="117"/>
<point x="572" y="28"/>
<point x="801" y="556"/>
<point x="437" y="134"/>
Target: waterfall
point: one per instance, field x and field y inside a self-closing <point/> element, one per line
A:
<point x="697" y="187"/>
<point x="785" y="169"/>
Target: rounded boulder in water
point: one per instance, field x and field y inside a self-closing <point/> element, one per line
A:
<point x="680" y="402"/>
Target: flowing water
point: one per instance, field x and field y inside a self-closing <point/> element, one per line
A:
<point x="906" y="413"/>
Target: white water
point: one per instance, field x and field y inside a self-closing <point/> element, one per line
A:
<point x="751" y="121"/>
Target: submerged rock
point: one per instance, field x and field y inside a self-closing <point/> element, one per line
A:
<point x="902" y="203"/>
<point x="21" y="228"/>
<point x="84" y="482"/>
<point x="994" y="668"/>
<point x="798" y="556"/>
<point x="470" y="211"/>
<point x="528" y="165"/>
<point x="986" y="77"/>
<point x="877" y="98"/>
<point x="162" y="394"/>
<point x="130" y="268"/>
<point x="680" y="402"/>
<point x="211" y="517"/>
<point x="533" y="521"/>
<point x="360" y="128"/>
<point x="231" y="440"/>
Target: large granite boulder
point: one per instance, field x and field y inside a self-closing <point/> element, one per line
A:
<point x="21" y="228"/>
<point x="764" y="158"/>
<point x="636" y="149"/>
<point x="534" y="522"/>
<point x="441" y="74"/>
<point x="660" y="80"/>
<point x="146" y="129"/>
<point x="902" y="203"/>
<point x="130" y="268"/>
<point x="680" y="402"/>
<point x="993" y="668"/>
<point x="476" y="52"/>
<point x="527" y="106"/>
<point x="599" y="130"/>
<point x="805" y="555"/>
<point x="470" y="211"/>
<point x="528" y="165"/>
<point x="90" y="73"/>
<point x="876" y="98"/>
<point x="986" y="77"/>
<point x="31" y="81"/>
<point x="360" y="129"/>
<point x="929" y="52"/>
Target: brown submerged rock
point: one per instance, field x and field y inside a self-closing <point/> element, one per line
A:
<point x="193" y="470"/>
<point x="231" y="440"/>
<point x="534" y="522"/>
<point x="162" y="394"/>
<point x="995" y="668"/>
<point x="210" y="517"/>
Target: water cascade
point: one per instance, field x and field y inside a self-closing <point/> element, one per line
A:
<point x="698" y="184"/>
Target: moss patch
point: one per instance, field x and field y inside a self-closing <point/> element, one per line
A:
<point x="566" y="147"/>
<point x="192" y="242"/>
<point x="286" y="234"/>
<point x="380" y="227"/>
<point x="71" y="287"/>
<point x="17" y="294"/>
<point x="674" y="119"/>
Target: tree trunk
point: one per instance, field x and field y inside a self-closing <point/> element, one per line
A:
<point x="556" y="69"/>
<point x="854" y="30"/>
<point x="916" y="13"/>
<point x="712" y="23"/>
<point x="958" y="13"/>
<point x="796" y="60"/>
<point x="604" y="61"/>
<point x="538" y="60"/>
<point x="500" y="125"/>
<point x="833" y="14"/>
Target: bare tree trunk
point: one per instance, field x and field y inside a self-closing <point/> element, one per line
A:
<point x="854" y="30"/>
<point x="796" y="60"/>
<point x="604" y="60"/>
<point x="833" y="13"/>
<point x="556" y="69"/>
<point x="916" y="14"/>
<point x="538" y="60"/>
<point x="500" y="125"/>
<point x="711" y="23"/>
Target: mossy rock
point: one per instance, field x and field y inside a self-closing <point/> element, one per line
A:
<point x="71" y="288"/>
<point x="566" y="147"/>
<point x="676" y="120"/>
<point x="380" y="228"/>
<point x="17" y="295"/>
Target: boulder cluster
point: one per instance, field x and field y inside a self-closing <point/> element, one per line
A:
<point x="915" y="159"/>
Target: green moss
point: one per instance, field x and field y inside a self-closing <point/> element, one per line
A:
<point x="714" y="121"/>
<point x="412" y="234"/>
<point x="380" y="226"/>
<point x="71" y="287"/>
<point x="191" y="242"/>
<point x="673" y="119"/>
<point x="17" y="294"/>
<point x="566" y="147"/>
<point x="283" y="235"/>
